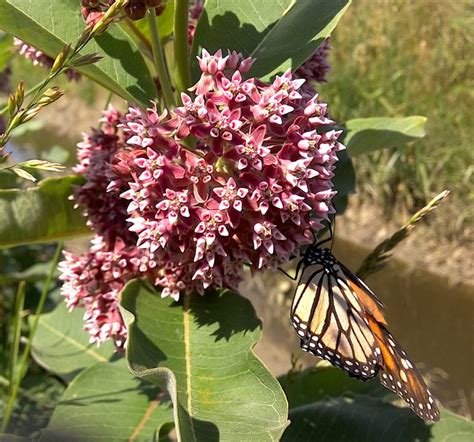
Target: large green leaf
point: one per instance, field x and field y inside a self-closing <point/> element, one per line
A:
<point x="202" y="351"/>
<point x="317" y="383"/>
<point x="49" y="26"/>
<point x="62" y="346"/>
<point x="105" y="402"/>
<point x="344" y="181"/>
<point x="366" y="135"/>
<point x="368" y="419"/>
<point x="281" y="34"/>
<point x="40" y="214"/>
<point x="362" y="419"/>
<point x="452" y="427"/>
<point x="327" y="405"/>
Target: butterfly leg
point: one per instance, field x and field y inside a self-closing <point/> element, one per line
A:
<point x="298" y="268"/>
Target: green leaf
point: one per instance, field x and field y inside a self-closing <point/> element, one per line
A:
<point x="122" y="70"/>
<point x="281" y="35"/>
<point x="366" y="135"/>
<point x="202" y="352"/>
<point x="363" y="419"/>
<point x="38" y="395"/>
<point x="6" y="45"/>
<point x="105" y="402"/>
<point x="36" y="272"/>
<point x="62" y="346"/>
<point x="317" y="383"/>
<point x="40" y="214"/>
<point x="452" y="427"/>
<point x="368" y="419"/>
<point x="344" y="181"/>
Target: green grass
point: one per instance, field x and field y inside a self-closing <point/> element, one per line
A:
<point x="396" y="58"/>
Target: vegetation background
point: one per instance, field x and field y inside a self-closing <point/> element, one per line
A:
<point x="409" y="58"/>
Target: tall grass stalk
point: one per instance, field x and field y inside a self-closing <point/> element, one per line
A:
<point x="19" y="369"/>
<point x="376" y="260"/>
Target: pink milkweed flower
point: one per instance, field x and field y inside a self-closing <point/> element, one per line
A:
<point x="240" y="174"/>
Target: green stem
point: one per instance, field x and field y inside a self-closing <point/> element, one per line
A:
<point x="140" y="37"/>
<point x="181" y="55"/>
<point x="14" y="350"/>
<point x="159" y="59"/>
<point x="109" y="99"/>
<point x="23" y="364"/>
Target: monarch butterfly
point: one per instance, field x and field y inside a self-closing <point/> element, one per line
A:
<point x="339" y="318"/>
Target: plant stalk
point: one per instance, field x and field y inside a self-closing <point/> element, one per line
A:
<point x="181" y="54"/>
<point x="23" y="364"/>
<point x="159" y="59"/>
<point x="141" y="37"/>
<point x="28" y="93"/>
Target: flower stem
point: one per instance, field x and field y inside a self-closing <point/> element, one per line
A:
<point x="181" y="55"/>
<point x="140" y="36"/>
<point x="23" y="364"/>
<point x="159" y="59"/>
<point x="14" y="350"/>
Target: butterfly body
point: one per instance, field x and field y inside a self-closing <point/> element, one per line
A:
<point x="339" y="318"/>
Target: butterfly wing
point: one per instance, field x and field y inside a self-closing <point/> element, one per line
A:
<point x="399" y="374"/>
<point x="364" y="294"/>
<point x="331" y="322"/>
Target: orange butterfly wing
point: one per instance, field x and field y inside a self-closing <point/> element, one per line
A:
<point x="397" y="372"/>
<point x="400" y="375"/>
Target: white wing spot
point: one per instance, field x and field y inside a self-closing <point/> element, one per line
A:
<point x="403" y="375"/>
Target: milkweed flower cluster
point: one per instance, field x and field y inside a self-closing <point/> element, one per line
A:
<point x="94" y="280"/>
<point x="250" y="189"/>
<point x="39" y="58"/>
<point x="93" y="10"/>
<point x="317" y="67"/>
